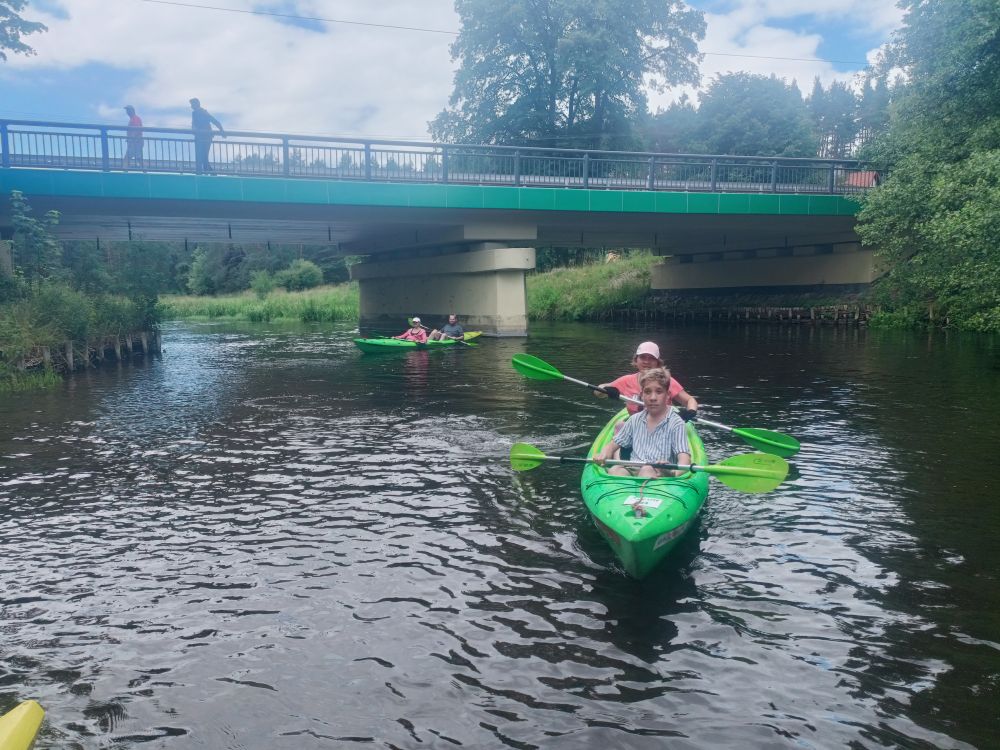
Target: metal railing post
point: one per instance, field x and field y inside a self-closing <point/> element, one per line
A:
<point x="105" y="152"/>
<point x="832" y="181"/>
<point x="4" y="146"/>
<point x="517" y="168"/>
<point x="444" y="163"/>
<point x="715" y="175"/>
<point x="586" y="170"/>
<point x="284" y="156"/>
<point x="368" y="161"/>
<point x="652" y="171"/>
<point x="774" y="177"/>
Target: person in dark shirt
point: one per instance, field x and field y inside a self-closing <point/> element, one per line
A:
<point x="450" y="330"/>
<point x="201" y="123"/>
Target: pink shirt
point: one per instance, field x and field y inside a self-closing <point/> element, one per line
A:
<point x="420" y="336"/>
<point x="628" y="385"/>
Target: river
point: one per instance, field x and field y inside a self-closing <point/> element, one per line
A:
<point x="267" y="539"/>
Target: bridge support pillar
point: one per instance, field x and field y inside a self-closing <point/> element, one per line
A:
<point x="809" y="265"/>
<point x="484" y="285"/>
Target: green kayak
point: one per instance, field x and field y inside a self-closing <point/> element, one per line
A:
<point x="393" y="345"/>
<point x="670" y="505"/>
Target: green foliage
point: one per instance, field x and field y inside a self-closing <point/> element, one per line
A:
<point x="13" y="27"/>
<point x="262" y="283"/>
<point x="934" y="221"/>
<point x="14" y="381"/>
<point x="588" y="291"/>
<point x="37" y="254"/>
<point x="755" y="115"/>
<point x="301" y="274"/>
<point x="324" y="304"/>
<point x="564" y="72"/>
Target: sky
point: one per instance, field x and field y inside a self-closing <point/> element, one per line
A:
<point x="355" y="73"/>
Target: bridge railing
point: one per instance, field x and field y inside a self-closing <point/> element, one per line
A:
<point x="28" y="143"/>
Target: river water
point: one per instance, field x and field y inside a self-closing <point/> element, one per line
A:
<point x="267" y="539"/>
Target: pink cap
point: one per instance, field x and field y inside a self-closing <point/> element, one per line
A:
<point x="648" y="347"/>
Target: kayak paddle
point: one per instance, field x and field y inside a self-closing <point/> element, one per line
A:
<point x="748" y="472"/>
<point x="768" y="441"/>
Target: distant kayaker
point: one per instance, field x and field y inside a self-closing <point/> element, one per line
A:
<point x="656" y="434"/>
<point x="415" y="332"/>
<point x="647" y="356"/>
<point x="450" y="330"/>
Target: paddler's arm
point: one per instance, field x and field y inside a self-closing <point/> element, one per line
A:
<point x="606" y="452"/>
<point x="684" y="459"/>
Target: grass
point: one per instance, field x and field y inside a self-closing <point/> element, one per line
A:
<point x="582" y="292"/>
<point x="323" y="304"/>
<point x="18" y="382"/>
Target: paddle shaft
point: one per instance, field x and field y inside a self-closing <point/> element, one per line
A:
<point x="746" y="471"/>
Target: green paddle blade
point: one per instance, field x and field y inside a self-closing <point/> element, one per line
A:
<point x="535" y="368"/>
<point x="769" y="441"/>
<point x="524" y="457"/>
<point x="750" y="472"/>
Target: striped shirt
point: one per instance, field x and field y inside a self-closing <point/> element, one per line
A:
<point x="662" y="444"/>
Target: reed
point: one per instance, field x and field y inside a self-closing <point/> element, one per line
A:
<point x="12" y="381"/>
<point x="324" y="304"/>
<point x="591" y="291"/>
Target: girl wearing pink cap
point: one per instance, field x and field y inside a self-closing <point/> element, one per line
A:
<point x="647" y="356"/>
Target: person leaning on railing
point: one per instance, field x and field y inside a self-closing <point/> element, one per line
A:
<point x="201" y="123"/>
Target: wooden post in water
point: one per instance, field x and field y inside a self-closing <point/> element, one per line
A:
<point x="118" y="347"/>
<point x="144" y="338"/>
<point x="68" y="350"/>
<point x="47" y="357"/>
<point x="128" y="343"/>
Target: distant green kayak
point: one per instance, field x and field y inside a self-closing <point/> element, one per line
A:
<point x="389" y="345"/>
<point x="670" y="505"/>
<point x="19" y="726"/>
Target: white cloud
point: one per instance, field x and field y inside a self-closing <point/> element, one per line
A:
<point x="748" y="31"/>
<point x="256" y="72"/>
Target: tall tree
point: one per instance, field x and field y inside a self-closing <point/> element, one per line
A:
<point x="935" y="219"/>
<point x="13" y="27"/>
<point x="564" y="72"/>
<point x="755" y="115"/>
<point x="835" y="117"/>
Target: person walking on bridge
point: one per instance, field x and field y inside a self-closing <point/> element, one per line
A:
<point x="133" y="139"/>
<point x="201" y="124"/>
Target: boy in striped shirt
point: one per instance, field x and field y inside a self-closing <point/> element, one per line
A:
<point x="656" y="434"/>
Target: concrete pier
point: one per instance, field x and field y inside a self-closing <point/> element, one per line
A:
<point x="804" y="265"/>
<point x="484" y="285"/>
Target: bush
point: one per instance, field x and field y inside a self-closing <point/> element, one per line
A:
<point x="262" y="283"/>
<point x="301" y="274"/>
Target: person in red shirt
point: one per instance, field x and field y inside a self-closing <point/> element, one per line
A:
<point x="415" y="332"/>
<point x="134" y="140"/>
<point x="647" y="356"/>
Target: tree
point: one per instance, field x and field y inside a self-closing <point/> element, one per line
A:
<point x="37" y="253"/>
<point x="13" y="27"/>
<point x="835" y="118"/>
<point x="754" y="115"/>
<point x="677" y="130"/>
<point x="564" y="72"/>
<point x="935" y="220"/>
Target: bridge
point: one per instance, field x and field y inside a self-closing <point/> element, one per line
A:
<point x="450" y="226"/>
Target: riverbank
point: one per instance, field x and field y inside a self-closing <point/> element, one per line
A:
<point x="325" y="304"/>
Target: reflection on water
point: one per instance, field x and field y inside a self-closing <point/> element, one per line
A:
<point x="270" y="540"/>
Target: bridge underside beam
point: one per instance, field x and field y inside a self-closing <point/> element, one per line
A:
<point x="484" y="286"/>
<point x="806" y="266"/>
